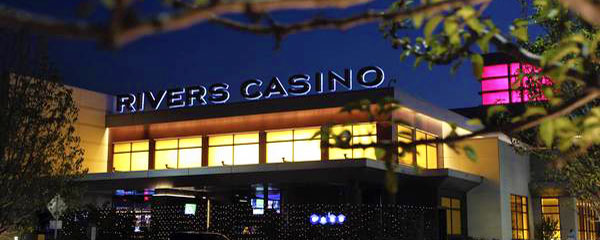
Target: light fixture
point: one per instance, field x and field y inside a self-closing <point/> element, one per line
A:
<point x="314" y="219"/>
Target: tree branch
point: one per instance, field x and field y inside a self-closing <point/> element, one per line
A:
<point x="589" y="11"/>
<point x="345" y="23"/>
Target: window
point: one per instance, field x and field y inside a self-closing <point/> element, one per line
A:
<point x="362" y="133"/>
<point x="500" y="84"/>
<point x="551" y="210"/>
<point x="233" y="149"/>
<point x="295" y="145"/>
<point x="130" y="156"/>
<point x="405" y="135"/>
<point x="178" y="153"/>
<point x="587" y="221"/>
<point x="520" y="218"/>
<point x="426" y="154"/>
<point x="453" y="213"/>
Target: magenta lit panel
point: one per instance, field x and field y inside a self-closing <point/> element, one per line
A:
<point x="494" y="84"/>
<point x="517" y="96"/>
<point x="514" y="69"/>
<point x="494" y="98"/>
<point x="499" y="70"/>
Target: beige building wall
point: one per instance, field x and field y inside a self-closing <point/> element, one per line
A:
<point x="504" y="173"/>
<point x="91" y="127"/>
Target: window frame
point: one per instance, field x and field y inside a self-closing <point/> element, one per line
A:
<point x="519" y="212"/>
<point x="233" y="145"/>
<point x="449" y="215"/>
<point x="178" y="149"/>
<point x="586" y="219"/>
<point x="353" y="150"/>
<point x="130" y="152"/>
<point x="551" y="214"/>
<point x="292" y="141"/>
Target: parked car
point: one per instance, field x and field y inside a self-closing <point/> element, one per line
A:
<point x="198" y="236"/>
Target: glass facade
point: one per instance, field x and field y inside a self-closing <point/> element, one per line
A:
<point x="453" y="215"/>
<point x="178" y="153"/>
<point x="283" y="145"/>
<point x="588" y="220"/>
<point x="425" y="155"/>
<point x="551" y="211"/>
<point x="500" y="84"/>
<point x="295" y="145"/>
<point x="520" y="217"/>
<point x="131" y="156"/>
<point x="233" y="149"/>
<point x="362" y="133"/>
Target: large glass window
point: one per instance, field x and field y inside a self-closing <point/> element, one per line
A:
<point x="178" y="153"/>
<point x="551" y="211"/>
<point x="295" y="145"/>
<point x="587" y="221"/>
<point x="362" y="133"/>
<point x="453" y="213"/>
<point x="520" y="217"/>
<point x="233" y="149"/>
<point x="426" y="154"/>
<point x="130" y="156"/>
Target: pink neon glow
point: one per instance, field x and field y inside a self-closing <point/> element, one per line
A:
<point x="494" y="98"/>
<point x="498" y="83"/>
<point x="514" y="69"/>
<point x="499" y="70"/>
<point x="494" y="84"/>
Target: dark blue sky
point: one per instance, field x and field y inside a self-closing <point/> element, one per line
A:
<point x="208" y="53"/>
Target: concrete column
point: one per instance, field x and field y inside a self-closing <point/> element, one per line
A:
<point x="568" y="216"/>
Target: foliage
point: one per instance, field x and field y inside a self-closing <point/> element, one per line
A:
<point x="40" y="154"/>
<point x="545" y="230"/>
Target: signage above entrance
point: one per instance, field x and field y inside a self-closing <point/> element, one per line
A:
<point x="252" y="89"/>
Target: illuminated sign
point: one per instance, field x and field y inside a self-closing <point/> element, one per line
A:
<point x="190" y="209"/>
<point x="252" y="89"/>
<point x="327" y="219"/>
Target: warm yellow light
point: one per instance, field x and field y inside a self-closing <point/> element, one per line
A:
<point x="220" y="140"/>
<point x="216" y="155"/>
<point x="121" y="161"/>
<point x="340" y="154"/>
<point x="190" y="142"/>
<point x="139" y="161"/>
<point x="139" y="146"/>
<point x="190" y="158"/>
<point x="431" y="157"/>
<point x="245" y="138"/>
<point x="245" y="154"/>
<point x="338" y="129"/>
<point x="306" y="133"/>
<point x="422" y="156"/>
<point x="122" y="147"/>
<point x="166" y="144"/>
<point x="285" y="135"/>
<point x="364" y="129"/>
<point x="308" y="150"/>
<point x="277" y="151"/>
<point x="368" y="153"/>
<point x="165" y="157"/>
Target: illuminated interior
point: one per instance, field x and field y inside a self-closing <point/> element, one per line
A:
<point x="587" y="219"/>
<point x="425" y="155"/>
<point x="551" y="210"/>
<point x="131" y="156"/>
<point x="500" y="84"/>
<point x="453" y="220"/>
<point x="520" y="217"/>
<point x="294" y="145"/>
<point x="362" y="133"/>
<point x="178" y="153"/>
<point x="233" y="149"/>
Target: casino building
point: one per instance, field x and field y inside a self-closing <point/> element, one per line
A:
<point x="265" y="152"/>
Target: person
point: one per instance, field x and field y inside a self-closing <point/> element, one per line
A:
<point x="571" y="235"/>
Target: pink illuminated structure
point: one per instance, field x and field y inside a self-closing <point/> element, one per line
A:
<point x="500" y="84"/>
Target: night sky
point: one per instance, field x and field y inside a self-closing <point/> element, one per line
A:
<point x="208" y="53"/>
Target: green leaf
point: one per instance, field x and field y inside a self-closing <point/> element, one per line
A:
<point x="431" y="25"/>
<point x="532" y="111"/>
<point x="493" y="110"/>
<point x="519" y="29"/>
<point x="471" y="154"/>
<point x="475" y="122"/>
<point x="477" y="63"/>
<point x="380" y="153"/>
<point x="418" y="20"/>
<point x="546" y="132"/>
